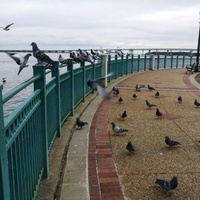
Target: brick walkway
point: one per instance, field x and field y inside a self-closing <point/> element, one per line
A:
<point x="103" y="178"/>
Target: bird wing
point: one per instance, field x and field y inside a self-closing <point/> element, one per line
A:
<point x="16" y="57"/>
<point x="8" y="25"/>
<point x="101" y="92"/>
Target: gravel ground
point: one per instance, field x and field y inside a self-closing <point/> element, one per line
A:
<point x="153" y="158"/>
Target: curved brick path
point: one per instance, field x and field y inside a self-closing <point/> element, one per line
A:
<point x="103" y="179"/>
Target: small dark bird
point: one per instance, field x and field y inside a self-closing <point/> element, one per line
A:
<point x="116" y="92"/>
<point x="138" y="87"/>
<point x="7" y="28"/>
<point x="150" y="88"/>
<point x="158" y="113"/>
<point x="96" y="85"/>
<point x="168" y="185"/>
<point x="196" y="103"/>
<point x="80" y="123"/>
<point x="3" y="80"/>
<point x="42" y="57"/>
<point x="150" y="104"/>
<point x="135" y="96"/>
<point x="130" y="147"/>
<point x="171" y="142"/>
<point x="123" y="115"/>
<point x="117" y="129"/>
<point x="157" y="94"/>
<point x="120" y="100"/>
<point x="180" y="99"/>
<point x="20" y="60"/>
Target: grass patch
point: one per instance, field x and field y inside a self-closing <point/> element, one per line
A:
<point x="197" y="78"/>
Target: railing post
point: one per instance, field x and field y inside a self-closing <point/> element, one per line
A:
<point x="138" y="63"/>
<point x="132" y="61"/>
<point x="58" y="106"/>
<point x="127" y="64"/>
<point x="145" y="62"/>
<point x="84" y="80"/>
<point x="71" y="69"/>
<point x="109" y="70"/>
<point x="4" y="176"/>
<point x="152" y="62"/>
<point x="172" y="60"/>
<point x="116" y="67"/>
<point x="165" y="60"/>
<point x="183" y="64"/>
<point x="177" y="61"/>
<point x="41" y="85"/>
<point x="158" y="61"/>
<point x="105" y="69"/>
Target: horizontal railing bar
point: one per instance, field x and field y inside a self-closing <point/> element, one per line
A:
<point x="8" y="95"/>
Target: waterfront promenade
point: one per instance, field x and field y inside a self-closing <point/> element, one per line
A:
<point x="90" y="153"/>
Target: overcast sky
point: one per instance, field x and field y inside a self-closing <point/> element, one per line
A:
<point x="64" y="24"/>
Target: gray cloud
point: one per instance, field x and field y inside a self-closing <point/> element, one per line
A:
<point x="65" y="24"/>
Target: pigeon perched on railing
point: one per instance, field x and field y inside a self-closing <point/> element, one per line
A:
<point x="168" y="185"/>
<point x="7" y="28"/>
<point x="117" y="129"/>
<point x="150" y="88"/>
<point x="150" y="104"/>
<point x="130" y="147"/>
<point x="171" y="142"/>
<point x="20" y="60"/>
<point x="42" y="57"/>
<point x="62" y="60"/>
<point x="96" y="85"/>
<point x="80" y="123"/>
<point x="75" y="57"/>
<point x="196" y="103"/>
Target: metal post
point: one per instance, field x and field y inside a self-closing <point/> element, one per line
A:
<point x="196" y="69"/>
<point x="105" y="69"/>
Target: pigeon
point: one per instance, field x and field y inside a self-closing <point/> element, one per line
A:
<point x="80" y="123"/>
<point x="168" y="185"/>
<point x="135" y="96"/>
<point x="7" y="28"/>
<point x="130" y="147"/>
<point x="75" y="58"/>
<point x="158" y="113"/>
<point x="150" y="104"/>
<point x="196" y="103"/>
<point x="116" y="92"/>
<point x="3" y="80"/>
<point x="117" y="129"/>
<point x="157" y="94"/>
<point x="171" y="142"/>
<point x="97" y="85"/>
<point x="138" y="87"/>
<point x="20" y="60"/>
<point x="180" y="99"/>
<point x="123" y="115"/>
<point x="150" y="88"/>
<point x="62" y="60"/>
<point x="120" y="100"/>
<point x="42" y="57"/>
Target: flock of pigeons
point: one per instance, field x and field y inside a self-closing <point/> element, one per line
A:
<point x="168" y="185"/>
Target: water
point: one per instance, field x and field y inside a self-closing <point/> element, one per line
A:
<point x="9" y="70"/>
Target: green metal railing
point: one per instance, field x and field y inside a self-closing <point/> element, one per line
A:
<point x="27" y="134"/>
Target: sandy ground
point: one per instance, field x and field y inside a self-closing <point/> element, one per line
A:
<point x="153" y="158"/>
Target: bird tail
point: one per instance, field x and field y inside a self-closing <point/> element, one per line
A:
<point x="159" y="181"/>
<point x="124" y="130"/>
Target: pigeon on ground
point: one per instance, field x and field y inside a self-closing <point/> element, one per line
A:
<point x="120" y="100"/>
<point x="123" y="115"/>
<point x="7" y="28"/>
<point x="180" y="99"/>
<point x="96" y="85"/>
<point x="171" y="142"/>
<point x="159" y="114"/>
<point x="138" y="87"/>
<point x="42" y="57"/>
<point x="135" y="96"/>
<point x="196" y="103"/>
<point x="116" y="91"/>
<point x="117" y="129"/>
<point x="20" y="60"/>
<point x="157" y="94"/>
<point x="168" y="185"/>
<point x="80" y="123"/>
<point x="62" y="60"/>
<point x="150" y="88"/>
<point x="150" y="104"/>
<point x="130" y="147"/>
